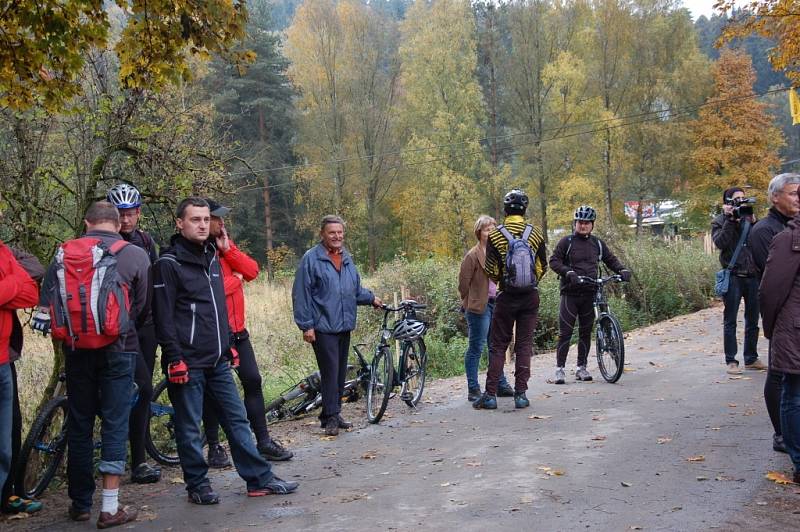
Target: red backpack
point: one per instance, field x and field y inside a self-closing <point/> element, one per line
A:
<point x="89" y="304"/>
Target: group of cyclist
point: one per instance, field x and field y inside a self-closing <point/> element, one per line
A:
<point x="498" y="285"/>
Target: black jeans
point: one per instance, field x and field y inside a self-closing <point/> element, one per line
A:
<point x="99" y="382"/>
<point x="9" y="488"/>
<point x="741" y="288"/>
<point x="143" y="377"/>
<point x="572" y="308"/>
<point x="331" y="351"/>
<point x="522" y="309"/>
<point x="772" y="396"/>
<point x="253" y="394"/>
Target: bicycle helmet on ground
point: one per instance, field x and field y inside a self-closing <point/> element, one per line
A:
<point x="585" y="213"/>
<point x="124" y="196"/>
<point x="515" y="201"/>
<point x="408" y="329"/>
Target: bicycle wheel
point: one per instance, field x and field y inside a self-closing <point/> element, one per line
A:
<point x="380" y="385"/>
<point x="293" y="403"/>
<point x="160" y="438"/>
<point x="415" y="359"/>
<point x="610" y="348"/>
<point x="43" y="450"/>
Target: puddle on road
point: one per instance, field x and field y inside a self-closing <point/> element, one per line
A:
<point x="283" y="511"/>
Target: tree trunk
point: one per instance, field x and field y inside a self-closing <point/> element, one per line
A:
<point x="542" y="189"/>
<point x="262" y="135"/>
<point x="609" y="190"/>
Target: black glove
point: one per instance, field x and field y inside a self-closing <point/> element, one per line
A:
<point x="41" y="322"/>
<point x="626" y="275"/>
<point x="571" y="277"/>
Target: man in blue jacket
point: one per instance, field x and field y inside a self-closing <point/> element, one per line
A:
<point x="326" y="290"/>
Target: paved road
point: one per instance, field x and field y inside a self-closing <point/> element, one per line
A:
<point x="675" y="445"/>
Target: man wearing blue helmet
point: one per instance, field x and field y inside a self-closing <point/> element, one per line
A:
<point x="128" y="201"/>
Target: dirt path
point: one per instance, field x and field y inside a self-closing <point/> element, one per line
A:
<point x="676" y="445"/>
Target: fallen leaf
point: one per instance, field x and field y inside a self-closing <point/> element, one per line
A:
<point x="635" y="527"/>
<point x="778" y="478"/>
<point x="327" y="438"/>
<point x="176" y="480"/>
<point x="656" y="365"/>
<point x="716" y="428"/>
<point x="628" y="370"/>
<point x="665" y="439"/>
<point x="732" y="405"/>
<point x="370" y="455"/>
<point x="698" y="458"/>
<point x="598" y="438"/>
<point x="537" y="416"/>
<point x="21" y="515"/>
<point x="544" y="468"/>
<point x="473" y="464"/>
<point x="702" y="478"/>
<point x="598" y="418"/>
<point x="626" y="484"/>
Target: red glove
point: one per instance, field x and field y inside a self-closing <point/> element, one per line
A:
<point x="178" y="372"/>
<point x="234" y="358"/>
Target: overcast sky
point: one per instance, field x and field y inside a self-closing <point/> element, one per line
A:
<point x="699" y="7"/>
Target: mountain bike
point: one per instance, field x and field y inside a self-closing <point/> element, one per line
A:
<point x="411" y="365"/>
<point x="45" y="446"/>
<point x="609" y="343"/>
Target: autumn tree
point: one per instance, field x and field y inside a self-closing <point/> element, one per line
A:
<point x="735" y="141"/>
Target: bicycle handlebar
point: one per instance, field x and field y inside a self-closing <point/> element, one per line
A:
<point x="403" y="306"/>
<point x="616" y="278"/>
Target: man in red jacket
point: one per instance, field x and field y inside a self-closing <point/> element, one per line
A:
<point x="238" y="268"/>
<point x="17" y="290"/>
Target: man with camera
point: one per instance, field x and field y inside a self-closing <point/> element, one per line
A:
<point x="729" y="231"/>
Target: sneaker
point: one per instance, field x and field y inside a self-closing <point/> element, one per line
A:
<point x="777" y="444"/>
<point x="473" y="394"/>
<point x="485" y="401"/>
<point x="332" y="426"/>
<point x="756" y="364"/>
<point x="521" y="401"/>
<point x="123" y="515"/>
<point x="144" y="473"/>
<point x="218" y="456"/>
<point x="343" y="424"/>
<point x="505" y="391"/>
<point x="78" y="515"/>
<point x="203" y="495"/>
<point x="274" y="451"/>
<point x="18" y="505"/>
<point x="733" y="368"/>
<point x="560" y="377"/>
<point x="582" y="374"/>
<point x="276" y="486"/>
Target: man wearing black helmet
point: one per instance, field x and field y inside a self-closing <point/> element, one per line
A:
<point x="579" y="254"/>
<point x="516" y="259"/>
<point x="128" y="201"/>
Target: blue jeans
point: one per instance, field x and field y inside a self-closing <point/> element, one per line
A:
<point x="99" y="382"/>
<point x="187" y="400"/>
<point x="790" y="417"/>
<point x="6" y="411"/>
<point x="478" y="325"/>
<point x="747" y="288"/>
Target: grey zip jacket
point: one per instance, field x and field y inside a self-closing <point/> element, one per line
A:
<point x="325" y="300"/>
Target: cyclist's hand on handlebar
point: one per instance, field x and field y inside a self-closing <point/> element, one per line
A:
<point x="178" y="372"/>
<point x="377" y="303"/>
<point x="572" y="277"/>
<point x="309" y="336"/>
<point x="625" y="275"/>
<point x="41" y="322"/>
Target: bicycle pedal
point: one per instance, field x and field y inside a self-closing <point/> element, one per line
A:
<point x="406" y="396"/>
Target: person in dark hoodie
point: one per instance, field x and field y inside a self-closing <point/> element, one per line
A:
<point x="579" y="254"/>
<point x="779" y="297"/>
<point x="782" y="193"/>
<point x="192" y="328"/>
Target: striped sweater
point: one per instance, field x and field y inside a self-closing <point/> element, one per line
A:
<point x="497" y="248"/>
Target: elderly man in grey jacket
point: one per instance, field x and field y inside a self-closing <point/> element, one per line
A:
<point x="326" y="291"/>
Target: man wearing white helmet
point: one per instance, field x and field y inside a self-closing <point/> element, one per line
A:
<point x="128" y="201"/>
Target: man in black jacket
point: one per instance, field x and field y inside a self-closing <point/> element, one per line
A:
<point x="578" y="255"/>
<point x="782" y="193"/>
<point x="192" y="328"/>
<point x="726" y="231"/>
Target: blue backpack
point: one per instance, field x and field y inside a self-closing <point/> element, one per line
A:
<point x="519" y="274"/>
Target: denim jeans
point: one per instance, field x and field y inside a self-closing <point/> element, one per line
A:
<point x="790" y="417"/>
<point x="99" y="382"/>
<point x="6" y="414"/>
<point x="478" y="326"/>
<point x="187" y="400"/>
<point x="747" y="288"/>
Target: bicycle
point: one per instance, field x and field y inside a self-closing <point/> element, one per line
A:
<point x="609" y="341"/>
<point x="45" y="446"/>
<point x="411" y="366"/>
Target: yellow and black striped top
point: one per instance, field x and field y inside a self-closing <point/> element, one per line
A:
<point x="497" y="248"/>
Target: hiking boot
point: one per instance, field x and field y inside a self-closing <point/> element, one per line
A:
<point x="756" y="364"/>
<point x="332" y="426"/>
<point x="276" y="486"/>
<point x="343" y="424"/>
<point x="582" y="374"/>
<point x="203" y="495"/>
<point x="473" y="394"/>
<point x="560" y="377"/>
<point x="217" y="456"/>
<point x="521" y="401"/>
<point x="505" y="391"/>
<point x="78" y="515"/>
<point x="274" y="451"/>
<point x="777" y="444"/>
<point x="485" y="401"/>
<point x="123" y="515"/>
<point x="733" y="368"/>
<point x="144" y="473"/>
<point x="18" y="505"/>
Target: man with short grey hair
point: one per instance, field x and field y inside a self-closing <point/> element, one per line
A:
<point x="782" y="193"/>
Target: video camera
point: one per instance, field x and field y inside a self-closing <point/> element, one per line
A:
<point x="741" y="206"/>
